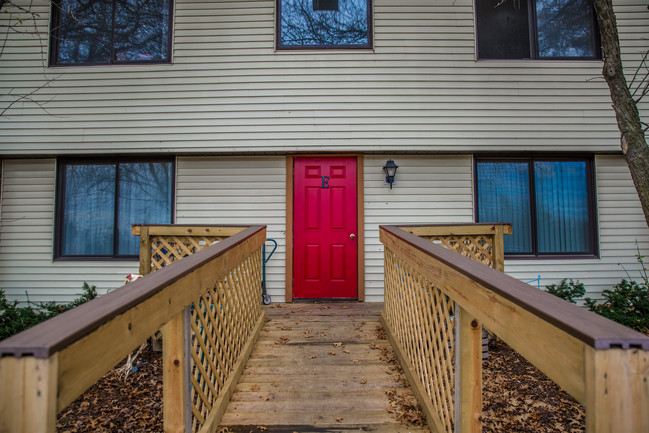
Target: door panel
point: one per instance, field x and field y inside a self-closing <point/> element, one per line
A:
<point x="325" y="254"/>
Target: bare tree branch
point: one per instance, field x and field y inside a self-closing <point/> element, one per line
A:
<point x="28" y="97"/>
<point x="23" y="21"/>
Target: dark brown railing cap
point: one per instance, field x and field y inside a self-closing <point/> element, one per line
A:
<point x="592" y="329"/>
<point x="55" y="334"/>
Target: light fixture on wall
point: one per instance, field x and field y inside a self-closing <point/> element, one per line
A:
<point x="390" y="169"/>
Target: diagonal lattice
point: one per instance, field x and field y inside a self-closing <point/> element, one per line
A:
<point x="421" y="317"/>
<point x="167" y="249"/>
<point x="476" y="247"/>
<point x="221" y="321"/>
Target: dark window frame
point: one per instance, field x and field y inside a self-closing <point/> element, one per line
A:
<point x="533" y="39"/>
<point x="54" y="36"/>
<point x="280" y="47"/>
<point x="593" y="220"/>
<point x="60" y="203"/>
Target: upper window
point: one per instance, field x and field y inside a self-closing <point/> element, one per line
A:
<point x="97" y="202"/>
<point x="550" y="204"/>
<point x="323" y="24"/>
<point x="536" y="29"/>
<point x="110" y="31"/>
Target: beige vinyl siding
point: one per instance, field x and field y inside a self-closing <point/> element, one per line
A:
<point x="428" y="190"/>
<point x="229" y="90"/>
<point x="621" y="223"/>
<point x="26" y="240"/>
<point x="252" y="190"/>
<point x="208" y="191"/>
<point x="238" y="191"/>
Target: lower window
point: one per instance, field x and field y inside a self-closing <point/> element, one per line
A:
<point x="549" y="202"/>
<point x="97" y="202"/>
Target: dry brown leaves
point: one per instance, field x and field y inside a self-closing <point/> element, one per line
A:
<point x="402" y="402"/>
<point x="405" y="407"/>
<point x="517" y="397"/>
<point x="280" y="341"/>
<point x="111" y="405"/>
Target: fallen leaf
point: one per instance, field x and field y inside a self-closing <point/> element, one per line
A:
<point x="332" y="353"/>
<point x="340" y="419"/>
<point x="275" y="384"/>
<point x="346" y="350"/>
<point x="363" y="381"/>
<point x="255" y="388"/>
<point x="339" y="344"/>
<point x="262" y="428"/>
<point x="313" y="357"/>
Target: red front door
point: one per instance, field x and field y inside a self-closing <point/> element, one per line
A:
<point x="325" y="248"/>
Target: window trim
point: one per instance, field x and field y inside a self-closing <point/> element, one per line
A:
<point x="60" y="203"/>
<point x="533" y="36"/>
<point x="280" y="47"/>
<point x="54" y="36"/>
<point x="593" y="213"/>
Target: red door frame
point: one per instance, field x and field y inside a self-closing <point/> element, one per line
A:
<point x="360" y="216"/>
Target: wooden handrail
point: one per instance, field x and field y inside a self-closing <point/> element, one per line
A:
<point x="45" y="368"/>
<point x="599" y="362"/>
<point x="592" y="329"/>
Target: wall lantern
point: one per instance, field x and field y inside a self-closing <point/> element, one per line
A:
<point x="390" y="169"/>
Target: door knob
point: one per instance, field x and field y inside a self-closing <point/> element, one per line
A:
<point x="352" y="236"/>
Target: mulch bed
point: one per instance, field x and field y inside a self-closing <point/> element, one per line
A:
<point x="517" y="398"/>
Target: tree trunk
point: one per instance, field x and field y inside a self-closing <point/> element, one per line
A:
<point x="632" y="139"/>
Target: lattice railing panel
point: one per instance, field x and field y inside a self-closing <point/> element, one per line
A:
<point x="422" y="320"/>
<point x="221" y="320"/>
<point x="476" y="247"/>
<point x="166" y="249"/>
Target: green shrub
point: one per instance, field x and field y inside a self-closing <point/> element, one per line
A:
<point x="15" y="319"/>
<point x="568" y="290"/>
<point x="627" y="303"/>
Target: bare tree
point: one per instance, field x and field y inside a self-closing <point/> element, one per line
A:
<point x="21" y="19"/>
<point x="625" y="97"/>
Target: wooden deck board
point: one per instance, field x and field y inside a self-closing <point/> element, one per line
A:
<point x="314" y="369"/>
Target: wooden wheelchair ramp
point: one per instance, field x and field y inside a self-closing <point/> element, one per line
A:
<point x="318" y="367"/>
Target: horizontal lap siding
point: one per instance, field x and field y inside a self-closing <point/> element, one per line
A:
<point x="428" y="190"/>
<point x="419" y="89"/>
<point x="208" y="191"/>
<point x="26" y="227"/>
<point x="238" y="191"/>
<point x="621" y="223"/>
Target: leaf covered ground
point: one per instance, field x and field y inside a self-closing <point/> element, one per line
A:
<point x="116" y="404"/>
<point x="517" y="398"/>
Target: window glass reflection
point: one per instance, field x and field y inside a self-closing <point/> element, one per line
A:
<point x="107" y="31"/>
<point x="89" y="210"/>
<point x="144" y="198"/>
<point x="565" y="28"/>
<point x="100" y="202"/>
<point x="83" y="31"/>
<point x="324" y="23"/>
